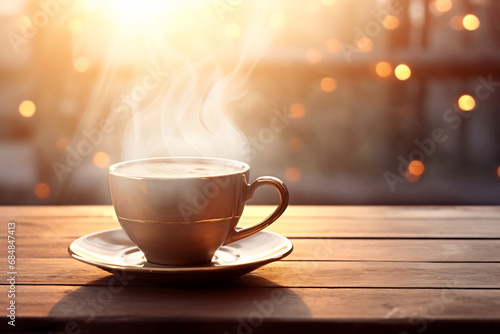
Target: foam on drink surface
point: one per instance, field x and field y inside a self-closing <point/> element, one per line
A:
<point x="175" y="169"/>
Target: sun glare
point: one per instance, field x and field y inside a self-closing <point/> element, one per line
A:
<point x="132" y="10"/>
<point x="133" y="13"/>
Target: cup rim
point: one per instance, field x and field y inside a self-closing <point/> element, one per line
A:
<point x="245" y="167"/>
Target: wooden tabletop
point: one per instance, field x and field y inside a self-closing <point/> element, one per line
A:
<point x="356" y="269"/>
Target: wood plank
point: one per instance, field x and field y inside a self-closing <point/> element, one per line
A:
<point x="328" y="284"/>
<point x="396" y="250"/>
<point x="224" y="309"/>
<point x="328" y="249"/>
<point x="37" y="211"/>
<point x="296" y="274"/>
<point x="344" y="211"/>
<point x="319" y="227"/>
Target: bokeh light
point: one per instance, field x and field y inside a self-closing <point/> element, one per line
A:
<point x="41" y="190"/>
<point x="470" y="22"/>
<point x="383" y="69"/>
<point x="364" y="44"/>
<point x="466" y="102"/>
<point x="27" y="108"/>
<point x="416" y="168"/>
<point x="390" y="22"/>
<point x="81" y="64"/>
<point x="297" y="110"/>
<point x="311" y="62"/>
<point x="328" y="84"/>
<point x="101" y="159"/>
<point x="443" y="6"/>
<point x="293" y="174"/>
<point x="402" y="72"/>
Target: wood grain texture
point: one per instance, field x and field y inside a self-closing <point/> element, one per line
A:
<point x="363" y="269"/>
<point x="345" y="211"/>
<point x="320" y="222"/>
<point x="413" y="250"/>
<point x="225" y="308"/>
<point x="296" y="274"/>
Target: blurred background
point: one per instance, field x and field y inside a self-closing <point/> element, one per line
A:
<point x="347" y="101"/>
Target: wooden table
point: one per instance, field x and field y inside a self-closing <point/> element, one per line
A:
<point x="369" y="269"/>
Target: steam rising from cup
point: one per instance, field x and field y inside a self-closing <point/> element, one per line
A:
<point x="169" y="78"/>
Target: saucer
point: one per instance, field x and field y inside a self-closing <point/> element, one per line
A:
<point x="113" y="251"/>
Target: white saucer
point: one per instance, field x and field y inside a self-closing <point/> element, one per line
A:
<point x="113" y="251"/>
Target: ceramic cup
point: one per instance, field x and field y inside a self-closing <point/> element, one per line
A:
<point x="180" y="211"/>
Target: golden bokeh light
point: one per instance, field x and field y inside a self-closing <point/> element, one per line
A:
<point x="278" y="21"/>
<point x="313" y="56"/>
<point x="466" y="102"/>
<point x="443" y="6"/>
<point x="293" y="174"/>
<point x="364" y="44"/>
<point x="390" y="22"/>
<point x="402" y="72"/>
<point x="81" y="64"/>
<point x="329" y="2"/>
<point x="416" y="168"/>
<point x="27" y="108"/>
<point x="42" y="190"/>
<point x="498" y="171"/>
<point x="101" y="159"/>
<point x="470" y="22"/>
<point x="233" y="31"/>
<point x="297" y="110"/>
<point x="383" y="69"/>
<point x="333" y="45"/>
<point x="328" y="84"/>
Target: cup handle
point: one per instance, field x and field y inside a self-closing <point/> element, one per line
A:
<point x="284" y="198"/>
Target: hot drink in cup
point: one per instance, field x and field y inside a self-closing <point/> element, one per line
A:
<point x="180" y="211"/>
